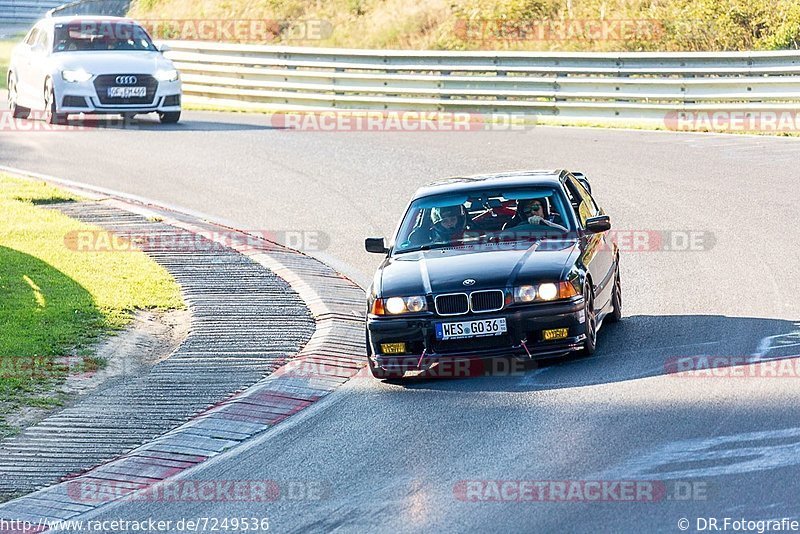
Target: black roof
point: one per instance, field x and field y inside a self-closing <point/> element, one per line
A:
<point x="481" y="181"/>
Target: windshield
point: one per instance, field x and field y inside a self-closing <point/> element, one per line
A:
<point x="101" y="36"/>
<point x="483" y="218"/>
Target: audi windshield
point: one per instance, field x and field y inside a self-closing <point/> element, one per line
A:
<point x="101" y="36"/>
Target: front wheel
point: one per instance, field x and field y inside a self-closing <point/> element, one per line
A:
<point x="17" y="111"/>
<point x="51" y="116"/>
<point x="169" y="117"/>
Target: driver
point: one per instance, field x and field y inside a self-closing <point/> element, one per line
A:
<point x="448" y="225"/>
<point x="533" y="211"/>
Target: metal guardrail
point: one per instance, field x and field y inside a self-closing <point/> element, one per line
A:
<point x="25" y="11"/>
<point x="114" y="8"/>
<point x="624" y="85"/>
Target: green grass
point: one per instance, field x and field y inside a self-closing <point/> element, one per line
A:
<point x="56" y="302"/>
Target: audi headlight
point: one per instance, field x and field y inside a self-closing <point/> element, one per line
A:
<point x="399" y="305"/>
<point x="75" y="76"/>
<point x="167" y="75"/>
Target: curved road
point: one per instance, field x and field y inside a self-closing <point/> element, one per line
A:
<point x="394" y="457"/>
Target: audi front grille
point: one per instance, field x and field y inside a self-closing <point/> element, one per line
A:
<point x="103" y="82"/>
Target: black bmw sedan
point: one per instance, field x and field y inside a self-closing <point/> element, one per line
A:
<point x="511" y="264"/>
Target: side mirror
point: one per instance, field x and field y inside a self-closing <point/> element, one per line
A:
<point x="376" y="245"/>
<point x="595" y="225"/>
<point x="164" y="48"/>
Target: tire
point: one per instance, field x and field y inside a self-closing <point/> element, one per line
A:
<point x="379" y="372"/>
<point x="50" y="114"/>
<point x="616" y="300"/>
<point x="590" y="323"/>
<point x="169" y="117"/>
<point x="17" y="112"/>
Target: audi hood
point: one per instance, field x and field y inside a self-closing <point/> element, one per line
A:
<point x="112" y="62"/>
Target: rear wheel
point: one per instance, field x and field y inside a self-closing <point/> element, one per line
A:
<point x="379" y="372"/>
<point x="590" y="322"/>
<point x="169" y="117"/>
<point x="17" y="111"/>
<point x="51" y="116"/>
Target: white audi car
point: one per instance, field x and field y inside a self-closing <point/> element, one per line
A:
<point x="97" y="65"/>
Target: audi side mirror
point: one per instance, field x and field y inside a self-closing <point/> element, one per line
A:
<point x="595" y="225"/>
<point x="375" y="245"/>
<point x="164" y="48"/>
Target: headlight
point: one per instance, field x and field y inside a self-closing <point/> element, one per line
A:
<point x="167" y="75"/>
<point x="524" y="293"/>
<point x="544" y="292"/>
<point x="399" y="305"/>
<point x="548" y="291"/>
<point x="75" y="76"/>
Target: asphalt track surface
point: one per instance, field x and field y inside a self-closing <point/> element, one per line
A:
<point x="392" y="457"/>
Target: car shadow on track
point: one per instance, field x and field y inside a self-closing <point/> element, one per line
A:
<point x="638" y="347"/>
<point x="147" y="123"/>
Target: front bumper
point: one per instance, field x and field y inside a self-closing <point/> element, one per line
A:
<point x="82" y="97"/>
<point x="525" y="324"/>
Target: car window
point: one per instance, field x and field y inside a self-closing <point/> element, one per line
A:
<point x="582" y="203"/>
<point x="41" y="40"/>
<point x="32" y="36"/>
<point x="101" y="36"/>
<point x="586" y="195"/>
<point x="482" y="217"/>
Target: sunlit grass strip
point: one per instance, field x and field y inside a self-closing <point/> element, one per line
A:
<point x="55" y="302"/>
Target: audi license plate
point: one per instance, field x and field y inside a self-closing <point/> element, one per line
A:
<point x="127" y="92"/>
<point x="464" y="329"/>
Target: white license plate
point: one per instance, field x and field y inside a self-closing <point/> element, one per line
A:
<point x="465" y="329"/>
<point x="127" y="92"/>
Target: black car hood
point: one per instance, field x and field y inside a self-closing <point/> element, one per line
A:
<point x="444" y="270"/>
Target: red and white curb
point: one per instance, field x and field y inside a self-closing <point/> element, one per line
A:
<point x="334" y="354"/>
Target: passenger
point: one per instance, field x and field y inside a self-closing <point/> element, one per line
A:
<point x="533" y="211"/>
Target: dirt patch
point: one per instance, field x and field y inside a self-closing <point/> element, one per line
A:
<point x="151" y="337"/>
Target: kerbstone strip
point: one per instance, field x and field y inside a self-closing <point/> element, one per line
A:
<point x="257" y="338"/>
<point x="334" y="353"/>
